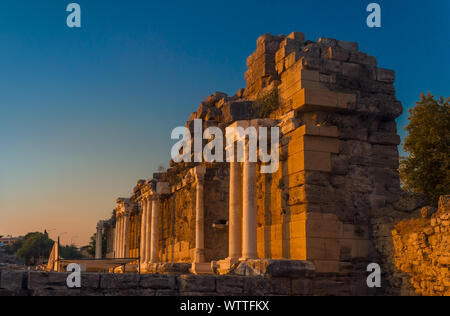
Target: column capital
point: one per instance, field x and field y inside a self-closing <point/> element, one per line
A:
<point x="100" y="225"/>
<point x="199" y="174"/>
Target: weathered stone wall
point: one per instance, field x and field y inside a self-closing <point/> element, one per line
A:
<point x="422" y="251"/>
<point x="339" y="155"/>
<point x="177" y="224"/>
<point x="109" y="231"/>
<point x="336" y="197"/>
<point x="22" y="283"/>
<point x="134" y="233"/>
<point x="216" y="213"/>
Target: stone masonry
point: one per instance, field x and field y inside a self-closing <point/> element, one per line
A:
<point x="422" y="250"/>
<point x="335" y="198"/>
<point x="304" y="282"/>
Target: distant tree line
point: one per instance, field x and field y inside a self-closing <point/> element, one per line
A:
<point x="35" y="249"/>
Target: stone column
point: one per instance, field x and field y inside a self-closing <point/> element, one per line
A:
<point x="154" y="231"/>
<point x="119" y="237"/>
<point x="148" y="223"/>
<point x="122" y="239"/>
<point x="235" y="213"/>
<point x="98" y="242"/>
<point x="143" y="221"/>
<point x="126" y="228"/>
<point x="200" y="216"/>
<point x="116" y="240"/>
<point x="249" y="246"/>
<point x="116" y="237"/>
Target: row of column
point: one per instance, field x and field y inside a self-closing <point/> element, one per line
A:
<point x="121" y="233"/>
<point x="242" y="219"/>
<point x="99" y="241"/>
<point x="243" y="211"/>
<point x="149" y="229"/>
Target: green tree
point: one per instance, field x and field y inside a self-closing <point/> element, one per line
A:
<point x="427" y="169"/>
<point x="93" y="243"/>
<point x="70" y="252"/>
<point x="34" y="248"/>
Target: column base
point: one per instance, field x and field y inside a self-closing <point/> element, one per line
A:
<point x="144" y="267"/>
<point x="226" y="265"/>
<point x="202" y="268"/>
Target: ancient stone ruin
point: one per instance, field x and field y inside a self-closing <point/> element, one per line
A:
<point x="333" y="202"/>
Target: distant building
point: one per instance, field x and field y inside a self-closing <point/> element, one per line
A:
<point x="9" y="240"/>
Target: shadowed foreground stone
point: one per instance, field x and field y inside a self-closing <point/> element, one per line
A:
<point x="22" y="283"/>
<point x="158" y="282"/>
<point x="275" y="268"/>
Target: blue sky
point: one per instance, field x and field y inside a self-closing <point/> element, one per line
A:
<point x="87" y="112"/>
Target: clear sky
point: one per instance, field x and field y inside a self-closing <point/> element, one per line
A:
<point x="85" y="113"/>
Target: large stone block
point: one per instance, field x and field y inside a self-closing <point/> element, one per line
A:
<point x="47" y="280"/>
<point x="302" y="287"/>
<point x="322" y="249"/>
<point x="289" y="268"/>
<point x="330" y="65"/>
<point x="158" y="282"/>
<point x="336" y="53"/>
<point x="385" y="139"/>
<point x="351" y="70"/>
<point x="230" y="285"/>
<point x="256" y="286"/>
<point x="385" y="75"/>
<point x="198" y="283"/>
<point x="119" y="281"/>
<point x="363" y="59"/>
<point x="352" y="231"/>
<point x="90" y="280"/>
<point x="287" y="92"/>
<point x="287" y="46"/>
<point x="260" y="68"/>
<point x="12" y="280"/>
<point x="318" y="225"/>
<point x="314" y="130"/>
<point x="291" y="60"/>
<point x="236" y="111"/>
<point x="280" y="286"/>
<point x="309" y="160"/>
<point x="351" y="46"/>
<point x="321" y="144"/>
<point x="298" y="73"/>
<point x="289" y="125"/>
<point x="327" y="266"/>
<point x="312" y="100"/>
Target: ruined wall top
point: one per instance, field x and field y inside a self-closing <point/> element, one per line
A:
<point x="328" y="65"/>
<point x="289" y="75"/>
